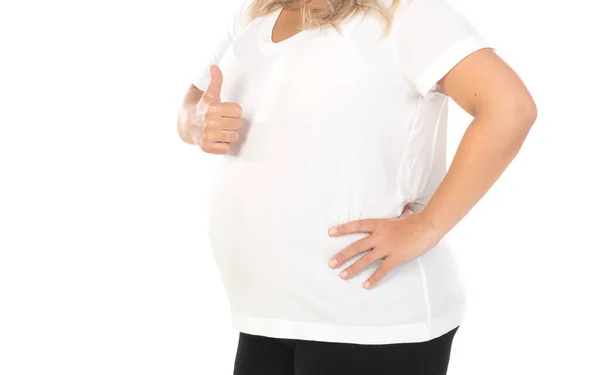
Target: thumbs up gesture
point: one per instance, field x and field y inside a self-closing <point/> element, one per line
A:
<point x="215" y="125"/>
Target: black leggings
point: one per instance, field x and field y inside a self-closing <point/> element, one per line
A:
<point x="260" y="355"/>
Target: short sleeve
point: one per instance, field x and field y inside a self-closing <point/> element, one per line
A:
<point x="430" y="37"/>
<point x="238" y="22"/>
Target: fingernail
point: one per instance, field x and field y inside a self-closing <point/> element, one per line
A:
<point x="333" y="262"/>
<point x="344" y="274"/>
<point x="367" y="284"/>
<point x="332" y="231"/>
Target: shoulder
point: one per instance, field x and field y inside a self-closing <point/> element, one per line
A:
<point x="243" y="15"/>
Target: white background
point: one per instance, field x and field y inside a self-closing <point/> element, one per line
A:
<point x="105" y="267"/>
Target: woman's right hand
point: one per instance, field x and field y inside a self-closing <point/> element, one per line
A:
<point x="214" y="125"/>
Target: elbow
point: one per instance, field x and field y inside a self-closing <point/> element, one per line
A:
<point x="526" y="112"/>
<point x="509" y="121"/>
<point x="523" y="107"/>
<point x="517" y="121"/>
<point x="516" y="115"/>
<point x="518" y="111"/>
<point x="522" y="117"/>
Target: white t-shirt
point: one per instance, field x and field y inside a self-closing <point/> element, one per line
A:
<point x="337" y="127"/>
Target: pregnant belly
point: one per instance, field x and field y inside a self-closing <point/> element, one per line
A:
<point x="269" y="224"/>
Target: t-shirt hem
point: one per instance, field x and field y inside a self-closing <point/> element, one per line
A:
<point x="372" y="335"/>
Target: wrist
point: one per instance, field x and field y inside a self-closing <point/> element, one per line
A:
<point x="429" y="227"/>
<point x="186" y="114"/>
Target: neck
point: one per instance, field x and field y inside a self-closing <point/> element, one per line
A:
<point x="297" y="5"/>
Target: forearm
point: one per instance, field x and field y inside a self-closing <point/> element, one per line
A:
<point x="489" y="144"/>
<point x="189" y="101"/>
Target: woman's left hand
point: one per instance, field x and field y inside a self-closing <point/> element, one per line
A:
<point x="396" y="241"/>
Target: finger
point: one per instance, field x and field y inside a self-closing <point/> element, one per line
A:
<point x="215" y="147"/>
<point x="230" y="109"/>
<point x="362" y="226"/>
<point x="224" y="123"/>
<point x="362" y="263"/>
<point x="221" y="135"/>
<point x="386" y="266"/>
<point x="213" y="91"/>
<point x="219" y="110"/>
<point x="352" y="250"/>
<point x="231" y="123"/>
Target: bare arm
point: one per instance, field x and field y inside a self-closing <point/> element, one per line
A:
<point x="504" y="111"/>
<point x="486" y="87"/>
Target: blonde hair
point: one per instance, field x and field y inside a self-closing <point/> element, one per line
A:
<point x="333" y="13"/>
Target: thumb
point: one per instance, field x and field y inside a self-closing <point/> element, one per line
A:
<point x="213" y="91"/>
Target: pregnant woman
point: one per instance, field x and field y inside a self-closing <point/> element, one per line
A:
<point x="332" y="197"/>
